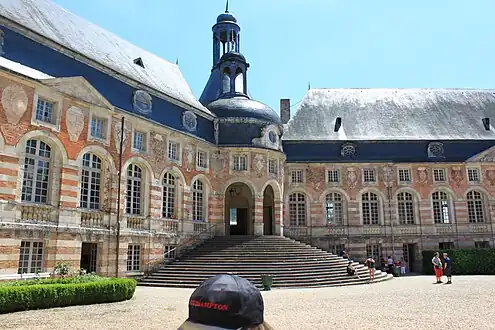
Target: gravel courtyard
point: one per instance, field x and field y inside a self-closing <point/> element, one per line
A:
<point x="409" y="302"/>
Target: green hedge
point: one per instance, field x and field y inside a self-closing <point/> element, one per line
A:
<point x="465" y="261"/>
<point x="48" y="293"/>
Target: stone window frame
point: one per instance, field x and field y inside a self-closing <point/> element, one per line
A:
<point x="484" y="206"/>
<point x="146" y="142"/>
<point x="277" y="165"/>
<point x="232" y="162"/>
<point x="381" y="211"/>
<point x="410" y="173"/>
<point x="30" y="255"/>
<point x="206" y="159"/>
<point x="307" y="206"/>
<point x="444" y="170"/>
<point x="375" y="175"/>
<point x="450" y="206"/>
<point x="131" y="250"/>
<point x="343" y="203"/>
<point x="178" y="160"/>
<point x="327" y="176"/>
<point x="479" y="173"/>
<point x="415" y="202"/>
<point x="103" y="114"/>
<point x="53" y="97"/>
<point x="303" y="174"/>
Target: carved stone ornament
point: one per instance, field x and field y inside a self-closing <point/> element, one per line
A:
<point x="189" y="157"/>
<point x="157" y="148"/>
<point x="216" y="127"/>
<point x="457" y="175"/>
<point x="259" y="164"/>
<point x="117" y="133"/>
<point x="435" y="149"/>
<point x="490" y="176"/>
<point x="422" y="175"/>
<point x="388" y="175"/>
<point x="351" y="177"/>
<point x="217" y="162"/>
<point x="348" y="150"/>
<point x="14" y="102"/>
<point x="75" y="123"/>
<point x="142" y="102"/>
<point x="315" y="178"/>
<point x="189" y="121"/>
<point x="489" y="157"/>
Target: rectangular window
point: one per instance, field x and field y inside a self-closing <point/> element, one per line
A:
<point x="439" y="175"/>
<point x="369" y="175"/>
<point x="273" y="166"/>
<point x="482" y="245"/>
<point x="374" y="251"/>
<point x="333" y="176"/>
<point x="45" y="111"/>
<point x="98" y="127"/>
<point x="139" y="141"/>
<point x="30" y="257"/>
<point x="240" y="163"/>
<point x="446" y="245"/>
<point x="133" y="258"/>
<point x="474" y="175"/>
<point x="169" y="252"/>
<point x="173" y="151"/>
<point x="201" y="159"/>
<point x="404" y="175"/>
<point x="297" y="176"/>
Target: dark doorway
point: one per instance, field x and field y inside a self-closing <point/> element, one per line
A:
<point x="239" y="221"/>
<point x="409" y="253"/>
<point x="89" y="257"/>
<point x="268" y="206"/>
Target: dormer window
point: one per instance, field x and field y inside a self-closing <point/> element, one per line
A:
<point x="139" y="61"/>
<point x="226" y="81"/>
<point x="239" y="81"/>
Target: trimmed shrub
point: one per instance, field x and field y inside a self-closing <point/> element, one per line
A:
<point x="61" y="292"/>
<point x="465" y="261"/>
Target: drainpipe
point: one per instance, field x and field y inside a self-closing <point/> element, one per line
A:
<point x="118" y="197"/>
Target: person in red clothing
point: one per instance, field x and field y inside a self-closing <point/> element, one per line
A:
<point x="437" y="267"/>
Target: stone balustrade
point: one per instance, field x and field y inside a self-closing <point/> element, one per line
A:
<point x="38" y="213"/>
<point x="93" y="219"/>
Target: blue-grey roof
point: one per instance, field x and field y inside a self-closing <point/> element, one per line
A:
<point x="59" y="25"/>
<point x="243" y="107"/>
<point x="393" y="114"/>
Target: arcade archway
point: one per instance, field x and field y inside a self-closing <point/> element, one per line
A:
<point x="239" y="210"/>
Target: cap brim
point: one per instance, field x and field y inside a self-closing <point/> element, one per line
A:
<point x="188" y="325"/>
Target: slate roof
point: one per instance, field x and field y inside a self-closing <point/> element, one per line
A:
<point x="61" y="26"/>
<point x="393" y="114"/>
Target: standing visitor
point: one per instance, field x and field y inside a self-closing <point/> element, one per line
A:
<point x="402" y="266"/>
<point x="390" y="265"/>
<point x="447" y="267"/>
<point x="437" y="267"/>
<point x="370" y="263"/>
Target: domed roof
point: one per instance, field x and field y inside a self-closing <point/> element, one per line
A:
<point x="232" y="56"/>
<point x="226" y="17"/>
<point x="245" y="108"/>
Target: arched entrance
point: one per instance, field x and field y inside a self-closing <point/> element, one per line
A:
<point x="268" y="210"/>
<point x="239" y="205"/>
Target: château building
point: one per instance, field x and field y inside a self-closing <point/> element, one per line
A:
<point x="109" y="162"/>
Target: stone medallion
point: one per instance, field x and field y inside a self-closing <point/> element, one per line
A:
<point x="142" y="102"/>
<point x="189" y="121"/>
<point x="14" y="102"/>
<point x="75" y="123"/>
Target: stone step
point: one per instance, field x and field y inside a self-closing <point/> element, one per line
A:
<point x="253" y="275"/>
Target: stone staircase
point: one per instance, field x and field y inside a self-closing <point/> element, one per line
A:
<point x="291" y="263"/>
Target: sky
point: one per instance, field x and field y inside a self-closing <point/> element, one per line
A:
<point x="291" y="44"/>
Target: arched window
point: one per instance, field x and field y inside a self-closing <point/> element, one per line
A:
<point x="134" y="190"/>
<point x="405" y="208"/>
<point x="297" y="209"/>
<point x="239" y="81"/>
<point x="226" y="81"/>
<point x="36" y="178"/>
<point x="169" y="196"/>
<point x="198" y="201"/>
<point x="441" y="207"/>
<point x="476" y="207"/>
<point x="370" y="208"/>
<point x="334" y="209"/>
<point x="90" y="182"/>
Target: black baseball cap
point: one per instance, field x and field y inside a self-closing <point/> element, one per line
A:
<point x="224" y="302"/>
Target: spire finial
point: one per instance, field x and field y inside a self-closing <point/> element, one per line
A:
<point x="177" y="61"/>
<point x="227" y="6"/>
<point x="309" y="85"/>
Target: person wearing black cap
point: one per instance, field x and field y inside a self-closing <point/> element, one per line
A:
<point x="226" y="302"/>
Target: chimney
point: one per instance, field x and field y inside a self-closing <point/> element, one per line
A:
<point x="285" y="110"/>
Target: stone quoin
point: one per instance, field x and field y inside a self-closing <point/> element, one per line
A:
<point x="375" y="171"/>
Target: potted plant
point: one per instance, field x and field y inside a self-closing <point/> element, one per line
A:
<point x="267" y="281"/>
